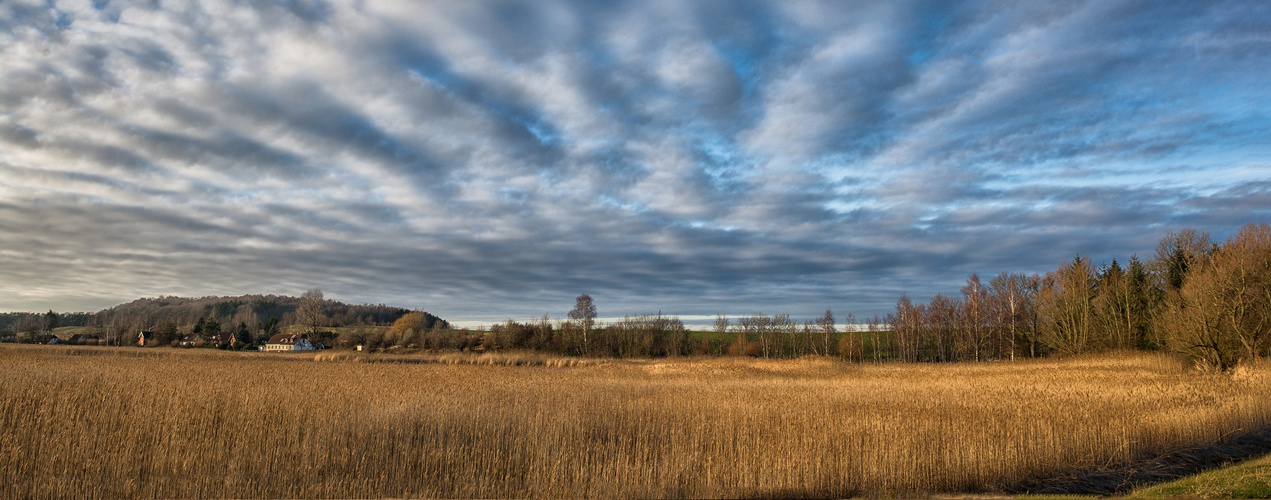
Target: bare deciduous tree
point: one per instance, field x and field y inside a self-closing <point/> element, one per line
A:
<point x="245" y="315"/>
<point x="584" y="311"/>
<point x="1177" y="253"/>
<point x="721" y="323"/>
<point x="827" y="331"/>
<point x="906" y="327"/>
<point x="975" y="305"/>
<point x="1065" y="306"/>
<point x="1009" y="292"/>
<point x="874" y="330"/>
<point x="312" y="311"/>
<point x="944" y="314"/>
<point x="1112" y="308"/>
<point x="1222" y="313"/>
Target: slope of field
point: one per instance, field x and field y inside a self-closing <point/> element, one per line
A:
<point x="1250" y="479"/>
<point x="130" y="422"/>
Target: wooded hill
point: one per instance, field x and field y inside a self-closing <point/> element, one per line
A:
<point x="260" y="315"/>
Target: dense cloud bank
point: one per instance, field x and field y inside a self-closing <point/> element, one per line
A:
<point x="487" y="160"/>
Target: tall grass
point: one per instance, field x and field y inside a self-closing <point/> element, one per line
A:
<point x="97" y="422"/>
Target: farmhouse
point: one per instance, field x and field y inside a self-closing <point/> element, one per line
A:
<point x="224" y="338"/>
<point x="145" y="337"/>
<point x="289" y="342"/>
<point x="190" y="340"/>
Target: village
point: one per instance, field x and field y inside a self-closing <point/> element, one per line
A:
<point x="223" y="340"/>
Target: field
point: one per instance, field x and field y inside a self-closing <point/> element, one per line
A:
<point x="98" y="422"/>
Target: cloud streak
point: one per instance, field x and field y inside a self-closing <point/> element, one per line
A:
<point x="494" y="159"/>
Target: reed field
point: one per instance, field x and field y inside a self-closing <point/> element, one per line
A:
<point x="94" y="422"/>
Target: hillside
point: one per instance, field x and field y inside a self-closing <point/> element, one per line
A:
<point x="259" y="314"/>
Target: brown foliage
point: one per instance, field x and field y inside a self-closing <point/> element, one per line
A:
<point x="1222" y="313"/>
<point x="851" y="347"/>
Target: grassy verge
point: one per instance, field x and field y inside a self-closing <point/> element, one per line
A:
<point x="1250" y="479"/>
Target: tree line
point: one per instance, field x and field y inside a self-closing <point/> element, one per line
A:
<point x="250" y="319"/>
<point x="645" y="335"/>
<point x="1209" y="300"/>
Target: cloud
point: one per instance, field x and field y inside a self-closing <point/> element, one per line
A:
<point x="487" y="160"/>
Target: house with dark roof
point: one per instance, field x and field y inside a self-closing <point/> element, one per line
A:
<point x="145" y="337"/>
<point x="224" y="338"/>
<point x="289" y="342"/>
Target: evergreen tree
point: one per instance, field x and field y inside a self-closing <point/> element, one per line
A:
<point x="1143" y="299"/>
<point x="243" y="336"/>
<point x="268" y="328"/>
<point x="50" y="320"/>
<point x="166" y="334"/>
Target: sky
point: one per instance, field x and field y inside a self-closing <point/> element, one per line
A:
<point x="489" y="160"/>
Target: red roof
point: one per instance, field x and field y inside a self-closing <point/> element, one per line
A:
<point x="287" y="338"/>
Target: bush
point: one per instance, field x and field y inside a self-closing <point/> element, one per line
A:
<point x="851" y="347"/>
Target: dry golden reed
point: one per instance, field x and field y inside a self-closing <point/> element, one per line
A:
<point x="106" y="423"/>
